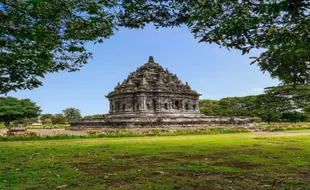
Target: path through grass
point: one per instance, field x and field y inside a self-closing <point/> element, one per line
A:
<point x="226" y="161"/>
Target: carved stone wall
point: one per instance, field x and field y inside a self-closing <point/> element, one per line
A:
<point x="153" y="103"/>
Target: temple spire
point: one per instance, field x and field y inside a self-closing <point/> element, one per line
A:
<point x="151" y="59"/>
<point x="130" y="85"/>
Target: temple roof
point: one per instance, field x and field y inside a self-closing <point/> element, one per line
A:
<point x="152" y="77"/>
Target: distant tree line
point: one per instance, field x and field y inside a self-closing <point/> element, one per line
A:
<point x="24" y="111"/>
<point x="15" y="111"/>
<point x="288" y="103"/>
<point x="66" y="116"/>
<point x="96" y="116"/>
<point x="277" y="104"/>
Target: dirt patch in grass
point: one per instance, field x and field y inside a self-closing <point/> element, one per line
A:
<point x="125" y="156"/>
<point x="95" y="167"/>
<point x="145" y="161"/>
<point x="198" y="157"/>
<point x="238" y="164"/>
<point x="195" y="175"/>
<point x="154" y="161"/>
<point x="303" y="173"/>
<point x="97" y="170"/>
<point x="188" y="157"/>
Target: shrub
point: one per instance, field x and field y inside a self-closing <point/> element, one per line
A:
<point x="93" y="131"/>
<point x="284" y="126"/>
<point x="30" y="134"/>
<point x="135" y="132"/>
<point x="25" y="134"/>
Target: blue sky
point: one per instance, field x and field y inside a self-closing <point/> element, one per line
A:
<point x="210" y="70"/>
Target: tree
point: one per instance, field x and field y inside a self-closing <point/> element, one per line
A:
<point x="207" y="111"/>
<point x="72" y="114"/>
<point x="58" y="119"/>
<point x="39" y="37"/>
<point x="96" y="116"/>
<point x="231" y="106"/>
<point x="284" y="102"/>
<point x="279" y="28"/>
<point x="294" y="117"/>
<point x="44" y="36"/>
<point x="290" y="97"/>
<point x="307" y="109"/>
<point x="46" y="116"/>
<point x="209" y="107"/>
<point x="16" y="109"/>
<point x="238" y="106"/>
<point x="280" y="103"/>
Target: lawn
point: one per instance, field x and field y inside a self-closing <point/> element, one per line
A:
<point x="222" y="161"/>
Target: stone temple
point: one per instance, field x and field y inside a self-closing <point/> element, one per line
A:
<point x="153" y="97"/>
<point x="152" y="91"/>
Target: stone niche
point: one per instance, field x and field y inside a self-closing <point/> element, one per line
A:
<point x="153" y="97"/>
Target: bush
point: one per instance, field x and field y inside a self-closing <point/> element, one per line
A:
<point x="136" y="132"/>
<point x="284" y="126"/>
<point x="22" y="134"/>
<point x="2" y="126"/>
<point x="30" y="134"/>
<point x="93" y="131"/>
<point x="48" y="126"/>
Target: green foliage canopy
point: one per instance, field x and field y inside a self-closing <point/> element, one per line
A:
<point x="46" y="116"/>
<point x="58" y="119"/>
<point x="96" y="116"/>
<point x="281" y="103"/>
<point x="280" y="28"/>
<point x="44" y="36"/>
<point x="15" y="109"/>
<point x="290" y="97"/>
<point x="72" y="114"/>
<point x="307" y="109"/>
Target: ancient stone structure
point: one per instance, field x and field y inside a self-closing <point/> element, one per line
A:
<point x="153" y="97"/>
<point x="153" y="90"/>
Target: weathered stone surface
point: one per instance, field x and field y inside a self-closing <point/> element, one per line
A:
<point x="153" y="97"/>
<point x="151" y="89"/>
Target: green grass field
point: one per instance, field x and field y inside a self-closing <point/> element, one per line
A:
<point x="222" y="161"/>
